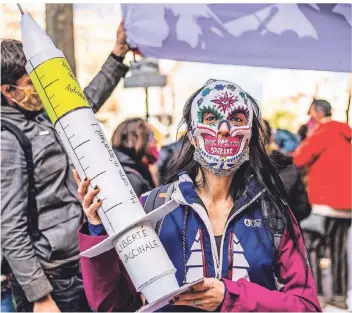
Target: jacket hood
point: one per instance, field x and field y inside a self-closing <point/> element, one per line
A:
<point x="184" y="191"/>
<point x="125" y="159"/>
<point x="337" y="129"/>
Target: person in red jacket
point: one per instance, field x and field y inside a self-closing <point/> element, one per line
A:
<point x="326" y="153"/>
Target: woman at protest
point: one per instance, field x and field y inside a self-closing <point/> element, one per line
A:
<point x="231" y="205"/>
<point x="134" y="144"/>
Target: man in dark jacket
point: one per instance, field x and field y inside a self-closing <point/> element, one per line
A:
<point x="46" y="270"/>
<point x="166" y="154"/>
<point x="137" y="173"/>
<point x="297" y="195"/>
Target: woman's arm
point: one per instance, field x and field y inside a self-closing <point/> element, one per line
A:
<point x="106" y="283"/>
<point x="107" y="286"/>
<point x="297" y="295"/>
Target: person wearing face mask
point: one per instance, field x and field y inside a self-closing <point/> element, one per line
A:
<point x="232" y="226"/>
<point x="40" y="208"/>
<point x="134" y="144"/>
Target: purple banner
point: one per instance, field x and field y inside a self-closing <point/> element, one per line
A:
<point x="297" y="36"/>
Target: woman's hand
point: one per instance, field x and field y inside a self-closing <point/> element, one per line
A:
<point x="206" y="295"/>
<point x="89" y="207"/>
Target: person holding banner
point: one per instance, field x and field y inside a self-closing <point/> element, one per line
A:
<point x="232" y="226"/>
<point x="40" y="209"/>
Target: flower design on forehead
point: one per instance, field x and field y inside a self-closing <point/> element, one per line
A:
<point x="225" y="101"/>
<point x="223" y="98"/>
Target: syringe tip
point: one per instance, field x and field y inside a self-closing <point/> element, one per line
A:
<point x="19" y="7"/>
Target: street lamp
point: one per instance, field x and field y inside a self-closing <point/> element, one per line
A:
<point x="145" y="73"/>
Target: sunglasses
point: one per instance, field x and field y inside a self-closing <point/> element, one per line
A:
<point x="29" y="90"/>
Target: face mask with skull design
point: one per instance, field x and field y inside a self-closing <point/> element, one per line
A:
<point x="217" y="103"/>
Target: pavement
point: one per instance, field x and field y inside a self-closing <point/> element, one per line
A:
<point x="330" y="308"/>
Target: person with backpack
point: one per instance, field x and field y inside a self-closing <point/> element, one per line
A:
<point x="40" y="208"/>
<point x="135" y="147"/>
<point x="232" y="226"/>
<point x="290" y="175"/>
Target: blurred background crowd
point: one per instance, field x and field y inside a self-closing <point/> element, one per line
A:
<point x="305" y="114"/>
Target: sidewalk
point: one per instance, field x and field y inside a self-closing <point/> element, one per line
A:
<point x="330" y="308"/>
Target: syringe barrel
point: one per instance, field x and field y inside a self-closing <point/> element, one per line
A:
<point x="154" y="281"/>
<point x="145" y="259"/>
<point x="83" y="139"/>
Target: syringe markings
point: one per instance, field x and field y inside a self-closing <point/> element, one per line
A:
<point x="97" y="175"/>
<point x="80" y="158"/>
<point x="71" y="137"/>
<point x="41" y="77"/>
<point x="60" y="123"/>
<point x="51" y="97"/>
<point x="51" y="83"/>
<point x="66" y="126"/>
<point x="82" y="143"/>
<point x="86" y="168"/>
<point x="56" y="107"/>
<point x="114" y="206"/>
<point x="93" y="124"/>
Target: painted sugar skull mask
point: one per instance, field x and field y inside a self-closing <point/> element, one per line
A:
<point x="222" y="117"/>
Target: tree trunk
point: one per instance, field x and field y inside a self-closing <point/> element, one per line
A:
<point x="59" y="27"/>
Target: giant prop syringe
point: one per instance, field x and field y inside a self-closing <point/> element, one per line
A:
<point x="131" y="231"/>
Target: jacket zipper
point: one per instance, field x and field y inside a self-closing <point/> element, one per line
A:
<point x="241" y="209"/>
<point x="161" y="224"/>
<point x="216" y="261"/>
<point x="200" y="212"/>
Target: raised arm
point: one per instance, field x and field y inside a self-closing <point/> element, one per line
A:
<point x="106" y="283"/>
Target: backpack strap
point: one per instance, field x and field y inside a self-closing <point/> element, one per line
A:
<point x="156" y="198"/>
<point x="32" y="212"/>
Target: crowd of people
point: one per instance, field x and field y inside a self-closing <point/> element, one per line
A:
<point x="285" y="199"/>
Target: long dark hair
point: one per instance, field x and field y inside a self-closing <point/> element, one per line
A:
<point x="13" y="63"/>
<point x="259" y="165"/>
